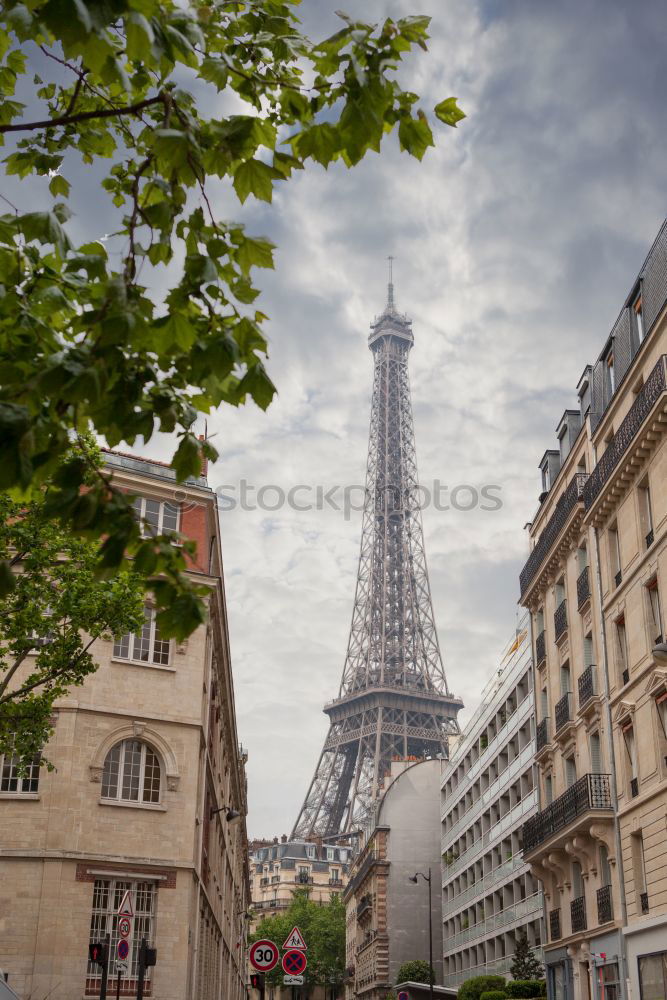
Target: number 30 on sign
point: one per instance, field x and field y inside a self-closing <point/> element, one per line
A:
<point x="264" y="956"/>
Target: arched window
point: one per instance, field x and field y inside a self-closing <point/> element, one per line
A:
<point x="131" y="773"/>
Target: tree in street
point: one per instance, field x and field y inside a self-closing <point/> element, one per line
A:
<point x="416" y="971"/>
<point x="88" y="340"/>
<point x="524" y="964"/>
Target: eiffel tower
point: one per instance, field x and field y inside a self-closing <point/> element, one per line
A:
<point x="393" y="699"/>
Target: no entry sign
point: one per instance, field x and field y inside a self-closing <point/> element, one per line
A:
<point x="294" y="962"/>
<point x="264" y="955"/>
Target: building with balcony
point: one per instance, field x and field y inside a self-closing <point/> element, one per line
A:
<point x="145" y="753"/>
<point x="279" y="868"/>
<point x="387" y="914"/>
<point x="594" y="583"/>
<point x="489" y="895"/>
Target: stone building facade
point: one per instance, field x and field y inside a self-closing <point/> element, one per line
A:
<point x="144" y="752"/>
<point x="489" y="895"/>
<point x="387" y="915"/>
<point x="594" y="584"/>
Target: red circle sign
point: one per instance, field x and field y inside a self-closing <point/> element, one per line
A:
<point x="294" y="962"/>
<point x="264" y="955"/>
<point x="124" y="927"/>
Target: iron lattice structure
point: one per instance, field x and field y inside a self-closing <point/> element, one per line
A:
<point x="393" y="700"/>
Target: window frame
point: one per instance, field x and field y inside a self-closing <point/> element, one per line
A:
<point x="10" y="762"/>
<point x="653" y="602"/>
<point x="651" y="954"/>
<point x="136" y="638"/>
<point x="141" y="779"/>
<point x="139" y="505"/>
<point x="105" y="920"/>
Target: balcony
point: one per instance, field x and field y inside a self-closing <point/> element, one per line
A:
<point x="605" y="905"/>
<point x="627" y="432"/>
<point x="590" y="793"/>
<point x="541" y="735"/>
<point x="554" y="925"/>
<point x="563" y="711"/>
<point x="560" y="619"/>
<point x="364" y="905"/>
<point x="578" y="914"/>
<point x="586" y="685"/>
<point x="303" y="879"/>
<point x="522" y="910"/>
<point x="583" y="588"/>
<point x="541" y="648"/>
<point x="335" y="882"/>
<point x="643" y="902"/>
<point x="564" y="507"/>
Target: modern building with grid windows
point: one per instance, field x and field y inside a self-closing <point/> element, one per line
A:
<point x="147" y="801"/>
<point x="489" y="896"/>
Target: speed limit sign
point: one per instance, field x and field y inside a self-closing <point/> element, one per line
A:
<point x="264" y="955"/>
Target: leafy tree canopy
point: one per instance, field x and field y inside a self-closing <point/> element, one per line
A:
<point x="323" y="929"/>
<point x="416" y="971"/>
<point x="58" y="607"/>
<point x="170" y="96"/>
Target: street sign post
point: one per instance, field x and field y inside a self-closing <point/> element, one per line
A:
<point x="294" y="962"/>
<point x="264" y="955"/>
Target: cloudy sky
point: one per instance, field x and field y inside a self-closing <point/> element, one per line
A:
<point x="516" y="241"/>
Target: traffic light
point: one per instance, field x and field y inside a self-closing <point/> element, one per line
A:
<point x="97" y="953"/>
<point x="257" y="981"/>
<point x="147" y="956"/>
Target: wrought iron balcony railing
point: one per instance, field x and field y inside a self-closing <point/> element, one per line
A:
<point x="648" y="395"/>
<point x="542" y="734"/>
<point x="564" y="507"/>
<point x="583" y="588"/>
<point x="554" y="925"/>
<point x="560" y="619"/>
<point x="541" y="648"/>
<point x="578" y="914"/>
<point x="563" y="711"/>
<point x="643" y="902"/>
<point x="591" y="792"/>
<point x="586" y="685"/>
<point x="605" y="905"/>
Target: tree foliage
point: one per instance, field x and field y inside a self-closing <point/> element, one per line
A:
<point x="323" y="929"/>
<point x="416" y="971"/>
<point x="473" y="988"/>
<point x="524" y="963"/>
<point x="56" y="610"/>
<point x="172" y="97"/>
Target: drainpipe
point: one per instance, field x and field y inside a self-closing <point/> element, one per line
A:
<point x="612" y="780"/>
<point x="536" y="782"/>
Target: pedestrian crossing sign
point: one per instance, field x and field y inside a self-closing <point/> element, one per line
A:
<point x="295" y="940"/>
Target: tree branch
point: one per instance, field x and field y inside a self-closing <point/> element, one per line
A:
<point x="83" y="116"/>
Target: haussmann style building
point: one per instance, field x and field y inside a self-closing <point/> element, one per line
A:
<point x="489" y="895"/>
<point x="148" y="778"/>
<point x="595" y="587"/>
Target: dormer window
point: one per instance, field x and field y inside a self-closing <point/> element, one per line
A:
<point x="156" y="517"/>
<point x="611" y="374"/>
<point x="637" y="317"/>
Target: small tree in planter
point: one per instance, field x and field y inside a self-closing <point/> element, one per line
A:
<point x="524" y="964"/>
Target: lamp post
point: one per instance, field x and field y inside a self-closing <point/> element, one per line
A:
<point x="427" y="878"/>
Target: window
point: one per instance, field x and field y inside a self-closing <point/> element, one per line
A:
<point x="622" y="649"/>
<point x="335" y="875"/>
<point x="544" y="703"/>
<point x="331" y="854"/>
<point x="131" y="773"/>
<point x="638" y="318"/>
<point x="611" y="374"/>
<point x="608" y="981"/>
<point x="645" y="512"/>
<point x="565" y="679"/>
<point x="639" y="872"/>
<point x="16" y="780"/>
<point x="654" y="615"/>
<point x="107" y="897"/>
<point x="582" y="559"/>
<point x="548" y="789"/>
<point x="343" y="855"/>
<point x="310" y="851"/>
<point x="156" y="517"/>
<point x="596" y="753"/>
<point x="631" y="761"/>
<point x="146" y="646"/>
<point x="560" y="592"/>
<point x="653" y="976"/>
<point x="570" y="772"/>
<point x="588" y="649"/>
<point x="661" y="706"/>
<point x="614" y="556"/>
<point x="577" y="880"/>
<point x="605" y="869"/>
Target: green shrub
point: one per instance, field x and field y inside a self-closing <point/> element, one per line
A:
<point x="416" y="971"/>
<point x="543" y="987"/>
<point x="524" y="988"/>
<point x="493" y="995"/>
<point x="473" y="988"/>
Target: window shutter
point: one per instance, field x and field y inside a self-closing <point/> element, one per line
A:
<point x="624" y="349"/>
<point x="654" y="285"/>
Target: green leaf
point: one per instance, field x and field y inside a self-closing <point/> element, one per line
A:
<point x="257" y="384"/>
<point x="255" y="253"/>
<point x="44" y="227"/>
<point x="215" y="71"/>
<point x="415" y="136"/>
<point x="7" y="579"/>
<point x="449" y="112"/>
<point x="139" y="36"/>
<point x="320" y="142"/>
<point x="58" y="185"/>
<point x="255" y="177"/>
<point x="175" y="330"/>
<point x="187" y="458"/>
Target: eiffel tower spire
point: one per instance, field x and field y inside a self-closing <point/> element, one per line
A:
<point x="393" y="699"/>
